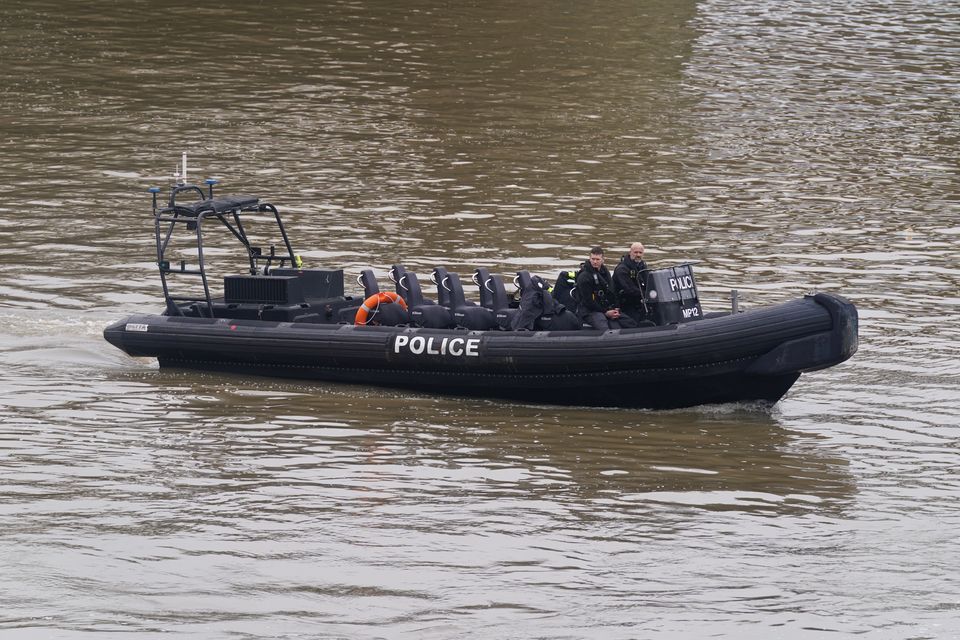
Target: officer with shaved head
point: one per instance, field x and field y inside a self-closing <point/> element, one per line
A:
<point x="629" y="282"/>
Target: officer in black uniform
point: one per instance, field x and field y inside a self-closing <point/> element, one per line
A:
<point x="597" y="302"/>
<point x="629" y="283"/>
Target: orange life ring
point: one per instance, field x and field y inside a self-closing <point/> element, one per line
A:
<point x="372" y="304"/>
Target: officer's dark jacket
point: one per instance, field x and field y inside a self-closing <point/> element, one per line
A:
<point x="539" y="311"/>
<point x="594" y="290"/>
<point x="627" y="281"/>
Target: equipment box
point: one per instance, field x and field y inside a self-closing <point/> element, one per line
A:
<point x="318" y="284"/>
<point x="262" y="289"/>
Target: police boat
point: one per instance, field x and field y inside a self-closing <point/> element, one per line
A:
<point x="277" y="317"/>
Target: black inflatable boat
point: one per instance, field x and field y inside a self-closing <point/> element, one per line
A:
<point x="278" y="318"/>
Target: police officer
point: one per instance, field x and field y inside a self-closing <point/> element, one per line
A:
<point x="597" y="302"/>
<point x="628" y="282"/>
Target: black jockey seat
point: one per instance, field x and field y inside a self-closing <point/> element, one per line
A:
<point x="410" y="293"/>
<point x="386" y="314"/>
<point x="539" y="311"/>
<point x="493" y="296"/>
<point x="368" y="281"/>
<point x="531" y="304"/>
<point x="423" y="313"/>
<point x="466" y="313"/>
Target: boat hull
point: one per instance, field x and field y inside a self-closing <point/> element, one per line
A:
<point x="746" y="357"/>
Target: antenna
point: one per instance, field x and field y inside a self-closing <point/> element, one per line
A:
<point x="180" y="171"/>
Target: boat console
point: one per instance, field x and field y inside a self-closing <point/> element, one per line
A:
<point x="672" y="295"/>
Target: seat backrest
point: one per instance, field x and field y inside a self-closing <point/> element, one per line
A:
<point x="368" y="281"/>
<point x="524" y="280"/>
<point x="457" y="296"/>
<point x="480" y="277"/>
<point x="449" y="289"/>
<point x="493" y="295"/>
<point x="441" y="278"/>
<point x="408" y="286"/>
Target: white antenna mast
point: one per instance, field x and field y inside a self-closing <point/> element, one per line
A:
<point x="180" y="171"/>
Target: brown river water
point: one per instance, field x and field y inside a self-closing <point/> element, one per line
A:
<point x="784" y="146"/>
